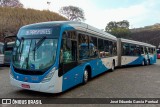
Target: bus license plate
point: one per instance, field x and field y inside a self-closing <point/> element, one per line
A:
<point x="25" y="86"/>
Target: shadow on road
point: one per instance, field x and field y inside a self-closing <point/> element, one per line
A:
<point x="35" y="94"/>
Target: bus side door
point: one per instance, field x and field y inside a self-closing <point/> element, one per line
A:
<point x="68" y="62"/>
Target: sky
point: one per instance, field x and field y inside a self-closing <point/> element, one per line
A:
<point x="98" y="13"/>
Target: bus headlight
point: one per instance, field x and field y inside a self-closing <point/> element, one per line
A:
<point x="49" y="75"/>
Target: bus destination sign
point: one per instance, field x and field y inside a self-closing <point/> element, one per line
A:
<point x="38" y="32"/>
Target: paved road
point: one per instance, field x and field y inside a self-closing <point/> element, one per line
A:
<point x="131" y="82"/>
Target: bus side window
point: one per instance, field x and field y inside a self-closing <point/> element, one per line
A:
<point x="83" y="43"/>
<point x="151" y="50"/>
<point x="141" y="50"/>
<point x="93" y="47"/>
<point x="126" y="49"/>
<point x="146" y="50"/>
<point x="101" y="48"/>
<point x="114" y="48"/>
<point x="65" y="56"/>
<point x="106" y="48"/>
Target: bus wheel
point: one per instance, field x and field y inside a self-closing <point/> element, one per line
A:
<point x="113" y="66"/>
<point x="143" y="62"/>
<point x="85" y="76"/>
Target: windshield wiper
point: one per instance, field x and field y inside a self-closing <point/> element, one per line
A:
<point x="39" y="43"/>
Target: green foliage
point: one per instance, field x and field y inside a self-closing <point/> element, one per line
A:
<point x="118" y="29"/>
<point x="10" y="3"/>
<point x="11" y="19"/>
<point x="72" y="13"/>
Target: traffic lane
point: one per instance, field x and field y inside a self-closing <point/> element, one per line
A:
<point x="131" y="82"/>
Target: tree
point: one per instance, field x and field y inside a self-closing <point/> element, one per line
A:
<point x="10" y="3"/>
<point x="73" y="13"/>
<point x="119" y="29"/>
<point x="11" y="19"/>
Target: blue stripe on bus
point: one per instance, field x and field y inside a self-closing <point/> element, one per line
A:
<point x="141" y="58"/>
<point x="137" y="61"/>
<point x="153" y="59"/>
<point x="75" y="76"/>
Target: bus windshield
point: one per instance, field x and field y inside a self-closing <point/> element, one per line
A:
<point x="34" y="54"/>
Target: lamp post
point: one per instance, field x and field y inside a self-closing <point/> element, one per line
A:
<point x="48" y="3"/>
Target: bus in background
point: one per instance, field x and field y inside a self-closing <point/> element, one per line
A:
<point x="8" y="53"/>
<point x="55" y="56"/>
<point x="1" y="54"/>
<point x="9" y="42"/>
<point x="132" y="52"/>
<point x="158" y="53"/>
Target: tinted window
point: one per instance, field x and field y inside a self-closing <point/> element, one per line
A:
<point x="101" y="48"/>
<point x="68" y="51"/>
<point x="93" y="47"/>
<point x="126" y="49"/>
<point x="83" y="43"/>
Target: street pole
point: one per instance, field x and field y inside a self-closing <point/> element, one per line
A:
<point x="48" y="3"/>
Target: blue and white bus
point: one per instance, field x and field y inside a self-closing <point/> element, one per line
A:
<point x="55" y="56"/>
<point x="132" y="52"/>
<point x="52" y="57"/>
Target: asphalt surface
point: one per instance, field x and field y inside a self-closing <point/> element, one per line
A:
<point x="128" y="82"/>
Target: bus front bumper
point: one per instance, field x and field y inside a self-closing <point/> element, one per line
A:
<point x="41" y="87"/>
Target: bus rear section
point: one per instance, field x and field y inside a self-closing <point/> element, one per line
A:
<point x="135" y="53"/>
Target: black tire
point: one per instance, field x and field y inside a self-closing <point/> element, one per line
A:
<point x="85" y="76"/>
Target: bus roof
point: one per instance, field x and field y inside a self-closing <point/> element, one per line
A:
<point x="76" y="25"/>
<point x="137" y="42"/>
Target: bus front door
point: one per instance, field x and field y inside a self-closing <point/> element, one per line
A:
<point x="68" y="65"/>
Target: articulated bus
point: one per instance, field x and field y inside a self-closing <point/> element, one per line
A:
<point x="1" y="53"/>
<point x="52" y="57"/>
<point x="132" y="52"/>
